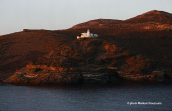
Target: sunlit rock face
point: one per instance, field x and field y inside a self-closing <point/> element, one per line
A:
<point x="88" y="61"/>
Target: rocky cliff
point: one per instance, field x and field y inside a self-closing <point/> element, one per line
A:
<point x="81" y="61"/>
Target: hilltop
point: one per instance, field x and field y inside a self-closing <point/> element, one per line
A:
<point x="144" y="40"/>
<point x="95" y="23"/>
<point x="152" y="20"/>
<point x="152" y="16"/>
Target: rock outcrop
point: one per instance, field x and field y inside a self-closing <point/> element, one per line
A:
<point x="81" y="61"/>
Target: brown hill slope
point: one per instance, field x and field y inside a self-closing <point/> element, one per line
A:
<point x="17" y="49"/>
<point x="95" y="23"/>
<point x="152" y="20"/>
<point x="152" y="16"/>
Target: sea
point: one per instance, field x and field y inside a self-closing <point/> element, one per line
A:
<point x="102" y="97"/>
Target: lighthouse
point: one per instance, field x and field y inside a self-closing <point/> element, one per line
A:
<point x="87" y="35"/>
<point x="88" y="32"/>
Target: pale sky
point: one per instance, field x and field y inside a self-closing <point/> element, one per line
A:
<point x="16" y="15"/>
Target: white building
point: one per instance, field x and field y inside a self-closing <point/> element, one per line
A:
<point x="87" y="35"/>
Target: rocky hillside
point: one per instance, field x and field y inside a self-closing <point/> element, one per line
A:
<point x="81" y="61"/>
<point x="17" y="49"/>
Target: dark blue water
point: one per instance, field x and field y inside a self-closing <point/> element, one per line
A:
<point x="86" y="97"/>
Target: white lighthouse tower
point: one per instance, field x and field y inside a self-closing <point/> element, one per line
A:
<point x="88" y="33"/>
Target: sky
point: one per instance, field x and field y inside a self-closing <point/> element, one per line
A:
<point x="16" y="15"/>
